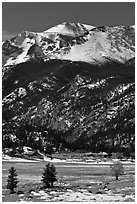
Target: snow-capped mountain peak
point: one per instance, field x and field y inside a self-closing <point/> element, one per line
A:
<point x="73" y="41"/>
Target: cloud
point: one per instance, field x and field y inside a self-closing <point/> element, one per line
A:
<point x="6" y="35"/>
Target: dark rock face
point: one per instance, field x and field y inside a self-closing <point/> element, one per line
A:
<point x="68" y="104"/>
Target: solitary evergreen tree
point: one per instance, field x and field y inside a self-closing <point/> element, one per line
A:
<point x="12" y="180"/>
<point x="49" y="176"/>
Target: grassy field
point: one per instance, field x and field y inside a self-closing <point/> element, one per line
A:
<point x="76" y="182"/>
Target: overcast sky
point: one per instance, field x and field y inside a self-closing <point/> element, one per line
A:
<point x="39" y="16"/>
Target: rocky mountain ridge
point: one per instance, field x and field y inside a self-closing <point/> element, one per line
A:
<point x="72" y="41"/>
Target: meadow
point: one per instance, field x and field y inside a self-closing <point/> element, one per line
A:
<point x="77" y="181"/>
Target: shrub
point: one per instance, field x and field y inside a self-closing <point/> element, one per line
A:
<point x="119" y="155"/>
<point x="12" y="180"/>
<point x="49" y="149"/>
<point x="49" y="176"/>
<point x="117" y="169"/>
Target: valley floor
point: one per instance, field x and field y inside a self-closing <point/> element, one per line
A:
<point x="77" y="181"/>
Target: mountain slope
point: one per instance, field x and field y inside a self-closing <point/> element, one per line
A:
<point x="105" y="44"/>
<point x="69" y="104"/>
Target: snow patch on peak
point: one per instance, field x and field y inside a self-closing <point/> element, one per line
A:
<point x="70" y="28"/>
<point x="133" y="26"/>
<point x="88" y="27"/>
<point x="37" y="40"/>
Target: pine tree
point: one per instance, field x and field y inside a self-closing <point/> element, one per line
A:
<point x="12" y="180"/>
<point x="49" y="176"/>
